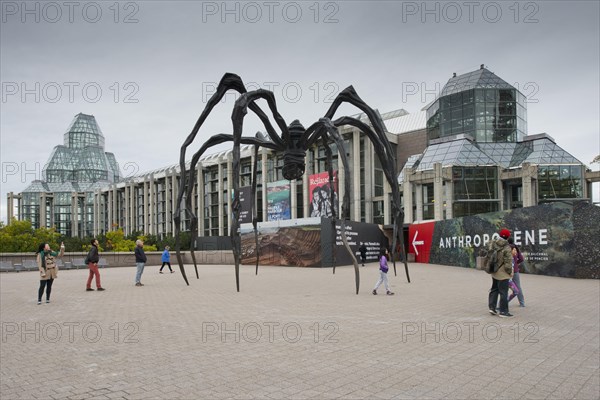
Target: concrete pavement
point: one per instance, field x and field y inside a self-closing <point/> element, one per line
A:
<point x="297" y="333"/>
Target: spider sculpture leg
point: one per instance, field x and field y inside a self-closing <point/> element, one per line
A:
<point x="237" y="117"/>
<point x="252" y="194"/>
<point x="218" y="139"/>
<point x="228" y="82"/>
<point x="329" y="155"/>
<point x="386" y="156"/>
<point x="320" y="129"/>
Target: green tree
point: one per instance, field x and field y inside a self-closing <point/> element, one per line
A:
<point x="20" y="237"/>
<point x="116" y="241"/>
<point x="147" y="246"/>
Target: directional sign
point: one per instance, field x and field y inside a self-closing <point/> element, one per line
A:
<point x="420" y="239"/>
<point x="416" y="242"/>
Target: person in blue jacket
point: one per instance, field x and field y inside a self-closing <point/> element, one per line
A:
<point x="166" y="259"/>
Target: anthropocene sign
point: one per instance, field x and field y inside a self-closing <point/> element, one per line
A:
<point x="556" y="239"/>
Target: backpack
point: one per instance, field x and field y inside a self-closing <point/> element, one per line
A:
<point x="490" y="259"/>
<point x="86" y="261"/>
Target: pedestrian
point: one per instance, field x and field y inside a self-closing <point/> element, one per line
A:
<point x="502" y="275"/>
<point x="140" y="261"/>
<point x="363" y="253"/>
<point x="519" y="260"/>
<point x="91" y="260"/>
<point x="166" y="259"/>
<point x="383" y="269"/>
<point x="48" y="269"/>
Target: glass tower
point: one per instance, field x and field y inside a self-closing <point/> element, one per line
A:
<point x="481" y="105"/>
<point x="477" y="130"/>
<point x="64" y="198"/>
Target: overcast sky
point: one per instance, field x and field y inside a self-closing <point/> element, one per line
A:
<point x="145" y="69"/>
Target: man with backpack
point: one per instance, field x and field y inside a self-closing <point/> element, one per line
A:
<point x="499" y="262"/>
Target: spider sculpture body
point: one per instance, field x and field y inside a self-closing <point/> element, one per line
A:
<point x="293" y="142"/>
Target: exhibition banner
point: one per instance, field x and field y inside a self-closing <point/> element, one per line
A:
<point x="321" y="199"/>
<point x="278" y="200"/>
<point x="557" y="239"/>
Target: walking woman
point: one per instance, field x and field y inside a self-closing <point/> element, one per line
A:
<point x="383" y="270"/>
<point x="48" y="269"/>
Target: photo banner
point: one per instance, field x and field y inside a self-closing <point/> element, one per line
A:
<point x="556" y="239"/>
<point x="278" y="201"/>
<point x="321" y="202"/>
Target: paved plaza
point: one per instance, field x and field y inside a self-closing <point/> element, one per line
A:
<point x="297" y="333"/>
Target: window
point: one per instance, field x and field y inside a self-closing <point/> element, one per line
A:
<point x="428" y="201"/>
<point x="559" y="182"/>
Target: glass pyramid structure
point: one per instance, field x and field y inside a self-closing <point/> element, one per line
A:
<point x="479" y="79"/>
<point x="80" y="164"/>
<point x="64" y="199"/>
<point x="464" y="151"/>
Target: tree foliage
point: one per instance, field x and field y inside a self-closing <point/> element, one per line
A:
<point x="20" y="237"/>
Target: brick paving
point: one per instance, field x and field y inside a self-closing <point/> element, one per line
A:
<point x="297" y="333"/>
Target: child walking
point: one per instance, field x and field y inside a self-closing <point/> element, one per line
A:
<point x="383" y="269"/>
<point x="166" y="259"/>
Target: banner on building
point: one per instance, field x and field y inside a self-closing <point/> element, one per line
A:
<point x="321" y="201"/>
<point x="307" y="242"/>
<point x="286" y="243"/>
<point x="278" y="201"/>
<point x="556" y="239"/>
<point x="245" y="205"/>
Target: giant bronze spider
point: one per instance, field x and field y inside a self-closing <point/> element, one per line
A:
<point x="293" y="143"/>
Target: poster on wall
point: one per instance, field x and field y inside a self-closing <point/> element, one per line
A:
<point x="245" y="205"/>
<point x="284" y="244"/>
<point x="357" y="234"/>
<point x="556" y="239"/>
<point x="321" y="201"/>
<point x="278" y="201"/>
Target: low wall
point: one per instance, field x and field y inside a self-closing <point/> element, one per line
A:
<point x="127" y="259"/>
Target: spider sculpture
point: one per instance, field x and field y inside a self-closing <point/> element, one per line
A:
<point x="293" y="143"/>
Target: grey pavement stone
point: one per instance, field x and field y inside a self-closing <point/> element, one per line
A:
<point x="296" y="333"/>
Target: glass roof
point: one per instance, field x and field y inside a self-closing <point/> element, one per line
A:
<point x="545" y="151"/>
<point x="481" y="78"/>
<point x="461" y="152"/>
<point x="82" y="157"/>
<point x="412" y="162"/>
<point x="465" y="152"/>
<point x="83" y="131"/>
<point x="65" y="187"/>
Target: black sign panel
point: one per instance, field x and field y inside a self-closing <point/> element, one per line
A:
<point x="357" y="233"/>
